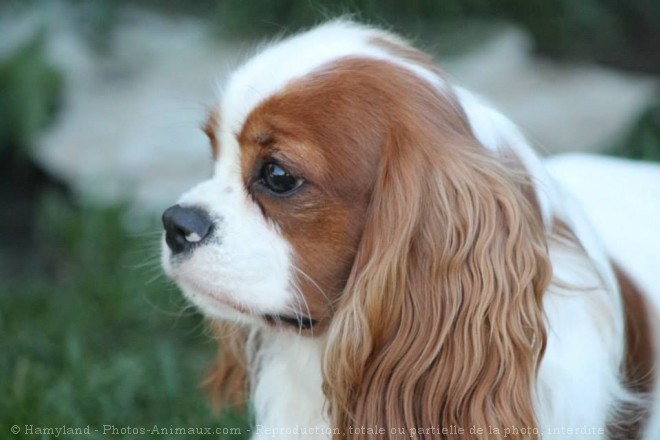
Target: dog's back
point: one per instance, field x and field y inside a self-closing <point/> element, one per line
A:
<point x="622" y="200"/>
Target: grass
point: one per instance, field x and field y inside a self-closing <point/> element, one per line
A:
<point x="100" y="338"/>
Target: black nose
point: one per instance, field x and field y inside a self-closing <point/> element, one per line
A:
<point x="185" y="227"/>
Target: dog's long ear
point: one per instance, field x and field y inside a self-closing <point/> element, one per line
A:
<point x="226" y="381"/>
<point x="441" y="323"/>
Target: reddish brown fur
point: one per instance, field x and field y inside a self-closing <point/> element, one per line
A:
<point x="211" y="130"/>
<point x="440" y="323"/>
<point x="640" y="353"/>
<point x="639" y="340"/>
<point x="226" y="382"/>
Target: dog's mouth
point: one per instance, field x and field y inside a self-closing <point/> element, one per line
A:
<point x="298" y="322"/>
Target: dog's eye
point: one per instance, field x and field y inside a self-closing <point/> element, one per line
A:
<point x="278" y="180"/>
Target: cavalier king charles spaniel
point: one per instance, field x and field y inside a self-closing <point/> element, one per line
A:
<point x="383" y="255"/>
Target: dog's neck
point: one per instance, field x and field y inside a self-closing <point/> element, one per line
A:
<point x="287" y="386"/>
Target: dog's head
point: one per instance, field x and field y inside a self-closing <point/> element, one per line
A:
<point x="352" y="198"/>
<point x="298" y="143"/>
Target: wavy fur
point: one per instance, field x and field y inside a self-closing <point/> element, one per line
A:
<point x="441" y="321"/>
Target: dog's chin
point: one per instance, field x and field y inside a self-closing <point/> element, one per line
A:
<point x="220" y="308"/>
<point x="217" y="307"/>
<point x="210" y="305"/>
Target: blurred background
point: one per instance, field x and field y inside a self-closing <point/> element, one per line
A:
<point x="101" y="104"/>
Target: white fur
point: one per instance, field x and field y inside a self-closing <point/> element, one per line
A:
<point x="578" y="384"/>
<point x="622" y="200"/>
<point x="286" y="388"/>
<point x="246" y="263"/>
<point x="270" y="71"/>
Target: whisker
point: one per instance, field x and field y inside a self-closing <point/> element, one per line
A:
<point x="301" y="300"/>
<point x="312" y="282"/>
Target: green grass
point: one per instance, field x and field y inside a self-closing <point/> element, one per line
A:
<point x="101" y="338"/>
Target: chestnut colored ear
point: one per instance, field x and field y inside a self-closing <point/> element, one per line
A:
<point x="441" y="322"/>
<point x="226" y="381"/>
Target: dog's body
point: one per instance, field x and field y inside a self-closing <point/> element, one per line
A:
<point x="397" y="258"/>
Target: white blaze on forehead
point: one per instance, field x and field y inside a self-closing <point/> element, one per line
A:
<point x="295" y="57"/>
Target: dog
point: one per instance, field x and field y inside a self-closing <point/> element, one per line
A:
<point x="383" y="255"/>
